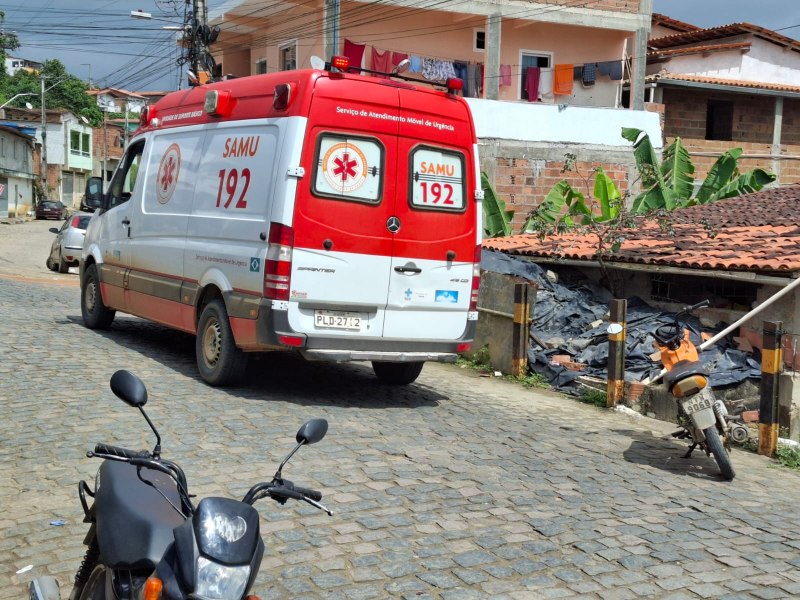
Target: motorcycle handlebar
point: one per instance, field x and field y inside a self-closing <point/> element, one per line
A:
<point x="693" y="307"/>
<point x="124" y="453"/>
<point x="313" y="494"/>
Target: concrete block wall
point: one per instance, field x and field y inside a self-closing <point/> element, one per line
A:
<point x="631" y="6"/>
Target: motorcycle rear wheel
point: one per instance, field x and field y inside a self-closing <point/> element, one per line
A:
<point x="720" y="454"/>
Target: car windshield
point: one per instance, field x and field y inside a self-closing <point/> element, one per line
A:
<point x="49" y="204"/>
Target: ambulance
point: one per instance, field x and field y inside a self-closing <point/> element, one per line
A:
<point x="331" y="213"/>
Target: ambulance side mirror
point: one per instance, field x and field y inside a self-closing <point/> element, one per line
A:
<point x="94" y="192"/>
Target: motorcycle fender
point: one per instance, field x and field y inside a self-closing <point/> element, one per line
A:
<point x="704" y="419"/>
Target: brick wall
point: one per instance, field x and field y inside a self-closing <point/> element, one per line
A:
<point x="106" y="139"/>
<point x="523" y="183"/>
<point x="790" y="133"/>
<point x="753" y="116"/>
<point x="629" y="6"/>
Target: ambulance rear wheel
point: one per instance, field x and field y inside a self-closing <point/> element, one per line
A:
<point x="219" y="361"/>
<point x="401" y="373"/>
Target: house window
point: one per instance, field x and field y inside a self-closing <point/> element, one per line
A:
<point x="478" y="40"/>
<point x="737" y="295"/>
<point x="288" y="56"/>
<point x="261" y="66"/>
<point x="719" y="120"/>
<point x="79" y="143"/>
<point x="527" y="60"/>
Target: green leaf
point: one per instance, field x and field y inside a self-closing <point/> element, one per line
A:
<point x="607" y="195"/>
<point x="678" y="171"/>
<point x="656" y="195"/>
<point x="496" y="218"/>
<point x="720" y="175"/>
<point x="749" y="182"/>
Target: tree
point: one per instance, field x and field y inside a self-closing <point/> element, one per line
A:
<point x="8" y="41"/>
<point x="67" y="91"/>
<point x="671" y="184"/>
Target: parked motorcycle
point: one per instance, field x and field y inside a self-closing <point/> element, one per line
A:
<point x="148" y="541"/>
<point x="701" y="417"/>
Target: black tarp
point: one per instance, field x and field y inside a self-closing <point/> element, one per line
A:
<point x="565" y="318"/>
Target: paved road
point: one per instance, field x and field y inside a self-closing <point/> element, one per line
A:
<point x="455" y="487"/>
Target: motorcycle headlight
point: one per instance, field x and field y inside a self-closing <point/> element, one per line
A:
<point x="218" y="582"/>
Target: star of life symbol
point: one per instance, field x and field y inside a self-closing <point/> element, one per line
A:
<point x="167" y="176"/>
<point x="345" y="167"/>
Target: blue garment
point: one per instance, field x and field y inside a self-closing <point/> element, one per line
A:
<point x="416" y="64"/>
<point x="588" y="74"/>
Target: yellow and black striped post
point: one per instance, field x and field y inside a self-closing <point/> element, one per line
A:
<point x="616" y="352"/>
<point x="771" y="364"/>
<point x="519" y="338"/>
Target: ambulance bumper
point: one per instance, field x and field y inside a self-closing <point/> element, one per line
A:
<point x="347" y="355"/>
<point x="273" y="330"/>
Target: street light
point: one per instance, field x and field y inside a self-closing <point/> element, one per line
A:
<point x="17" y="96"/>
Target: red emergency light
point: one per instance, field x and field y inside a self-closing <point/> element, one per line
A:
<point x="340" y="62"/>
<point x="454" y="84"/>
<point x="282" y="96"/>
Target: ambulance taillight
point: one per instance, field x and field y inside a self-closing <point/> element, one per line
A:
<point x="476" y="280"/>
<point x="282" y="96"/>
<point x="278" y="271"/>
<point x="219" y="103"/>
<point x="454" y="84"/>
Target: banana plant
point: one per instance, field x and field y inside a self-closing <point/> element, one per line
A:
<point x="670" y="184"/>
<point x="496" y="218"/>
<point x="565" y="207"/>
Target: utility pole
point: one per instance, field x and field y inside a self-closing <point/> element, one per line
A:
<point x="44" y="144"/>
<point x="198" y="39"/>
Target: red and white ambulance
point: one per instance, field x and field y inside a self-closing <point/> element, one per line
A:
<point x="335" y="214"/>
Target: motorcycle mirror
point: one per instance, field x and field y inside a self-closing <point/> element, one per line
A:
<point x="129" y="388"/>
<point x="312" y="431"/>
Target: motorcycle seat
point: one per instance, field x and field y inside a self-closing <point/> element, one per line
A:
<point x="686" y="370"/>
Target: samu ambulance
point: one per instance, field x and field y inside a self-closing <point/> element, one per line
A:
<point x="327" y="212"/>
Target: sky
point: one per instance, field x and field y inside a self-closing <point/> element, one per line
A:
<point x="97" y="40"/>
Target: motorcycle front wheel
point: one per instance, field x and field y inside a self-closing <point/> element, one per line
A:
<point x="95" y="586"/>
<point x="720" y="454"/>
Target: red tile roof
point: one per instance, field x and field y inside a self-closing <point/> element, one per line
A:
<point x="723" y="31"/>
<point x="757" y="232"/>
<point x="673" y="23"/>
<point x="708" y="48"/>
<point x="741" y="83"/>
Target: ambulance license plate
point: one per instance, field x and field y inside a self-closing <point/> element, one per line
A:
<point x="337" y="319"/>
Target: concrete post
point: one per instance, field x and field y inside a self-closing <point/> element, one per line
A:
<point x="771" y="366"/>
<point x="492" y="79"/>
<point x="639" y="57"/>
<point x="330" y="25"/>
<point x="776" y="137"/>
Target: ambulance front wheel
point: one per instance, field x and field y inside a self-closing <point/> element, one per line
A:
<point x="96" y="315"/>
<point x="401" y="373"/>
<point x="219" y="361"/>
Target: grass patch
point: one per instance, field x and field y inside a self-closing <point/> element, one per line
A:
<point x="480" y="362"/>
<point x="531" y="380"/>
<point x="788" y="456"/>
<point x="596" y="397"/>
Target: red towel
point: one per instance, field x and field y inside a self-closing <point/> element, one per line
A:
<point x="532" y="83"/>
<point x="355" y="52"/>
<point x="398" y="57"/>
<point x="381" y="61"/>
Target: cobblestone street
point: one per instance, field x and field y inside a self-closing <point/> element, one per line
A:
<point x="454" y="487"/>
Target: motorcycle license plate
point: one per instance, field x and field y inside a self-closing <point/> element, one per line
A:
<point x="695" y="404"/>
<point x="337" y="319"/>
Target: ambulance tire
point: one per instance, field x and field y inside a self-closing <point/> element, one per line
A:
<point x="96" y="315"/>
<point x="219" y="361"/>
<point x="401" y="373"/>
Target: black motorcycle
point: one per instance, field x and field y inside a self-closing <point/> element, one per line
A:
<point x="147" y="540"/>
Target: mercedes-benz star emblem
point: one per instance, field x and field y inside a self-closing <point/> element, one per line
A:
<point x="393" y="224"/>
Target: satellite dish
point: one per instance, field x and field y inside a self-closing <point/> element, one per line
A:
<point x="28" y="105"/>
<point x="317" y="62"/>
<point x="402" y="66"/>
<point x="84" y="119"/>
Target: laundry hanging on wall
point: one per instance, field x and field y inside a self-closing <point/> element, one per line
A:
<point x="355" y="53"/>
<point x="562" y="80"/>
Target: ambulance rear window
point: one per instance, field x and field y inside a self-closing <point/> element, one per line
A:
<point x="437" y="179"/>
<point x="349" y="168"/>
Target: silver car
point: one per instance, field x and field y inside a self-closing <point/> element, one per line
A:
<point x="66" y="249"/>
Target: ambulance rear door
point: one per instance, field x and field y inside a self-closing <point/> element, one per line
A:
<point x="341" y="258"/>
<point x="434" y="220"/>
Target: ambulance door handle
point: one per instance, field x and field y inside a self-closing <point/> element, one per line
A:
<point x="126" y="222"/>
<point x="408" y="269"/>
